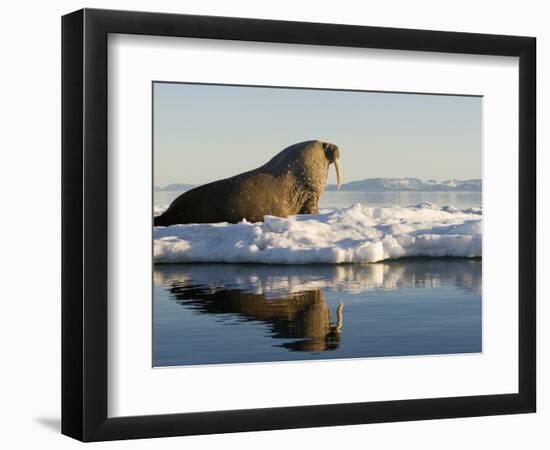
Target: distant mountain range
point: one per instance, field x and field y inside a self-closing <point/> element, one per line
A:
<point x="377" y="185"/>
<point x="408" y="184"/>
<point x="175" y="187"/>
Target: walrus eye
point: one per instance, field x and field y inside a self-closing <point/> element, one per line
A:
<point x="331" y="151"/>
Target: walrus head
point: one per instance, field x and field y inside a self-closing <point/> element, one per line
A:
<point x="332" y="153"/>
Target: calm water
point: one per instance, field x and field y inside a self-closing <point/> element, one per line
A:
<point x="235" y="313"/>
<point x="461" y="200"/>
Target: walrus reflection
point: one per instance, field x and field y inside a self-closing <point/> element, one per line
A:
<point x="303" y="316"/>
<point x="322" y="334"/>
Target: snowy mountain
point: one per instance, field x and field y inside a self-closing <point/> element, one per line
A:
<point x="378" y="185"/>
<point x="408" y="184"/>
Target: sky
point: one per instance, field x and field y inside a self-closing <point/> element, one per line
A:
<point x="203" y="132"/>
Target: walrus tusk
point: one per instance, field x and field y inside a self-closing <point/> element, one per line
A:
<point x="340" y="317"/>
<point x="338" y="168"/>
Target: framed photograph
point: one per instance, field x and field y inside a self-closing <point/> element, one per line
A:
<point x="272" y="224"/>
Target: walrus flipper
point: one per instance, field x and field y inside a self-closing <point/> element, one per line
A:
<point x="310" y="206"/>
<point x="159" y="221"/>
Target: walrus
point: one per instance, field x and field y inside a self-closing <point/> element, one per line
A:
<point x="289" y="183"/>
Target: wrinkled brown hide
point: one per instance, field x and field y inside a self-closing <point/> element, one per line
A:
<point x="290" y="183"/>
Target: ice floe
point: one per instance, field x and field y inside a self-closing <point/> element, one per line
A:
<point x="356" y="234"/>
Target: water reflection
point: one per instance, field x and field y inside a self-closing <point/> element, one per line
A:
<point x="460" y="200"/>
<point x="304" y="315"/>
<point x="291" y="300"/>
<point x="341" y="199"/>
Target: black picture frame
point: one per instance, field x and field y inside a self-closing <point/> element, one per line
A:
<point x="84" y="224"/>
